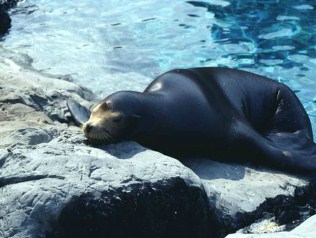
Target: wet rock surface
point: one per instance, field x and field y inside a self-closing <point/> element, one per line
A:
<point x="53" y="184"/>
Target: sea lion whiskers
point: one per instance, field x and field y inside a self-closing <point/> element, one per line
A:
<point x="104" y="137"/>
<point x="101" y="135"/>
<point x="110" y="138"/>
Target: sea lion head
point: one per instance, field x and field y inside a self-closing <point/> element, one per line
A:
<point x="113" y="119"/>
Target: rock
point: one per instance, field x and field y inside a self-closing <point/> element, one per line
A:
<point x="5" y="20"/>
<point x="53" y="185"/>
<point x="5" y="5"/>
<point x="166" y="208"/>
<point x="240" y="192"/>
<point x="41" y="93"/>
<point x="306" y="230"/>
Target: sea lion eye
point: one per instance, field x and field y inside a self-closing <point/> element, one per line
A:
<point x="117" y="119"/>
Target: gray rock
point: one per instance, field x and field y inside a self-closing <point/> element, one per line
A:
<point x="237" y="190"/>
<point x="306" y="230"/>
<point x="45" y="94"/>
<point x="48" y="187"/>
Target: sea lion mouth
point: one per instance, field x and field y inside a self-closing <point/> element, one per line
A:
<point x="99" y="136"/>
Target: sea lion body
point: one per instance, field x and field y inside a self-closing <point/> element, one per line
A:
<point x="220" y="113"/>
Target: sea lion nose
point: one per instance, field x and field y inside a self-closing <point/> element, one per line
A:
<point x="88" y="127"/>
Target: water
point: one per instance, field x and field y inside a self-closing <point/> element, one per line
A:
<point x="114" y="45"/>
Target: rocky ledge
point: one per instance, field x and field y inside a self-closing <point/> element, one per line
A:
<point x="53" y="184"/>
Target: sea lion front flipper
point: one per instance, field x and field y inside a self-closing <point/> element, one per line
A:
<point x="79" y="113"/>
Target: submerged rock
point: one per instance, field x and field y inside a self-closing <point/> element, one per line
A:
<point x="5" y="20"/>
<point x="52" y="184"/>
<point x="5" y="5"/>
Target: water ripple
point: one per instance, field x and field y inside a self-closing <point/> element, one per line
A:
<point x="95" y="41"/>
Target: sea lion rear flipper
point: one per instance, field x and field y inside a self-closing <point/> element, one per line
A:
<point x="79" y="113"/>
<point x="298" y="150"/>
<point x="290" y="151"/>
<point x="290" y="133"/>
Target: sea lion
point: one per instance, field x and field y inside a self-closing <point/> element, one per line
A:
<point x="224" y="114"/>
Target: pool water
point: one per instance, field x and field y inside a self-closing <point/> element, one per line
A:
<point x="116" y="45"/>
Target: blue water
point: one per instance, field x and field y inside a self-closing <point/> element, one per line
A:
<point x="114" y="45"/>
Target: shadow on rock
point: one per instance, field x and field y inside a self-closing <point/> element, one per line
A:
<point x="164" y="209"/>
<point x="209" y="170"/>
<point x="123" y="150"/>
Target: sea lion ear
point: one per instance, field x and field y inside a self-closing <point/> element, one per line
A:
<point x="104" y="105"/>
